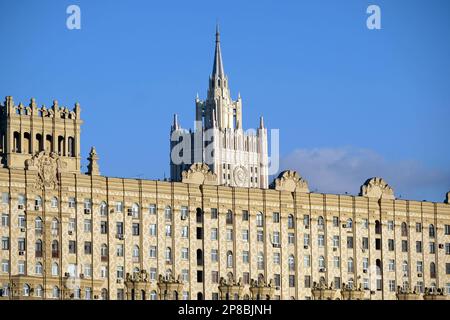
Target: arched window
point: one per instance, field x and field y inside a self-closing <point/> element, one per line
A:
<point x="136" y="252"/>
<point x="168" y="213"/>
<point x="349" y="223"/>
<point x="259" y="219"/>
<point x="377" y="227"/>
<point x="21" y="199"/>
<point x="321" y="262"/>
<point x="168" y="254"/>
<point x="229" y="217"/>
<point x="199" y="215"/>
<point x="55" y="226"/>
<point x="55" y="292"/>
<point x="199" y="257"/>
<point x="38" y="268"/>
<point x="49" y="143"/>
<point x="61" y="146"/>
<point x="291" y="263"/>
<point x="379" y="267"/>
<point x="39" y="142"/>
<point x="432" y="270"/>
<point x="54" y="202"/>
<point x="55" y="269"/>
<point x="320" y="222"/>
<point x="38" y="226"/>
<point x="135" y="210"/>
<point x="71" y="147"/>
<point x="153" y="295"/>
<point x="38" y="202"/>
<point x="55" y="249"/>
<point x="104" y="294"/>
<point x="404" y="229"/>
<point x="350" y="267"/>
<point x="103" y="209"/>
<point x="39" y="291"/>
<point x="260" y="260"/>
<point x="229" y="259"/>
<point x="431" y="231"/>
<point x="16" y="142"/>
<point x="26" y="290"/>
<point x="290" y="221"/>
<point x="38" y="248"/>
<point x="27" y="142"/>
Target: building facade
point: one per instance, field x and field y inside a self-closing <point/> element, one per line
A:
<point x="239" y="158"/>
<point x="66" y="234"/>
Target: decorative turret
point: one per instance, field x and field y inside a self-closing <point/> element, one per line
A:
<point x="93" y="168"/>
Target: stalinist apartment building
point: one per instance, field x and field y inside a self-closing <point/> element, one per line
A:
<point x="67" y="234"/>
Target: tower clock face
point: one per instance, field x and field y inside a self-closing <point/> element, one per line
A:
<point x="240" y="176"/>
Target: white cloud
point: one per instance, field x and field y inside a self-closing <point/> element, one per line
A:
<point x="344" y="169"/>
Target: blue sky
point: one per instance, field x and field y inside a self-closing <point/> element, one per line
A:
<point x="350" y="103"/>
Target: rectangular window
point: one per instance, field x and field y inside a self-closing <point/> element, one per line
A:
<point x="350" y="242"/>
<point x="337" y="283"/>
<point x="215" y="276"/>
<point x="152" y="273"/>
<point x="213" y="213"/>
<point x="336" y="262"/>
<point x="229" y="234"/>
<point x="184" y="213"/>
<point x="184" y="253"/>
<point x="291" y="281"/>
<point x="21" y="244"/>
<point x="22" y="221"/>
<point x="72" y="225"/>
<point x="135" y="229"/>
<point x="87" y="225"/>
<point x="276" y="238"/>
<point x="214" y="234"/>
<point x="447" y="268"/>
<point x="418" y="227"/>
<point x="199" y="276"/>
<point x="119" y="228"/>
<point x="377" y="244"/>
<point x="246" y="277"/>
<point x="5" y="266"/>
<point x="72" y="246"/>
<point x="152" y="230"/>
<point x="5" y="243"/>
<point x="245" y="235"/>
<point x="184" y="232"/>
<point x="392" y="285"/>
<point x="277" y="280"/>
<point x="199" y="233"/>
<point x="432" y="247"/>
<point x="244" y="215"/>
<point x="5" y="197"/>
<point x="5" y="220"/>
<point x="390" y="225"/>
<point x="447" y="229"/>
<point x="260" y="236"/>
<point x="391" y="265"/>
<point x="404" y="245"/>
<point x="321" y="240"/>
<point x="307" y="281"/>
<point x="168" y="230"/>
<point x="153" y="252"/>
<point x="306" y="239"/>
<point x="119" y="272"/>
<point x="21" y="266"/>
<point x="87" y="247"/>
<point x="419" y="266"/>
<point x="365" y="223"/>
<point x="103" y="227"/>
<point x="71" y="202"/>
<point x="152" y="209"/>
<point x="276" y="258"/>
<point x="306" y="220"/>
<point x="291" y="238"/>
<point x="214" y="255"/>
<point x="119" y="206"/>
<point x="447" y="248"/>
<point x="365" y="243"/>
<point x="335" y="221"/>
<point x="276" y="217"/>
<point x="307" y="261"/>
<point x="245" y="257"/>
<point x="418" y="246"/>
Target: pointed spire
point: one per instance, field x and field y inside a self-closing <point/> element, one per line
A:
<point x="218" y="64"/>
<point x="175" y="125"/>
<point x="261" y="122"/>
<point x="93" y="168"/>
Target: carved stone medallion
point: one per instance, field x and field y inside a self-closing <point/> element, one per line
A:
<point x="48" y="168"/>
<point x="240" y="176"/>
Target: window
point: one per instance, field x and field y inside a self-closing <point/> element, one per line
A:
<point x="213" y="213"/>
<point x="5" y="266"/>
<point x="103" y="209"/>
<point x="153" y="295"/>
<point x="21" y="244"/>
<point x="292" y="281"/>
<point x="260" y="236"/>
<point x="87" y="270"/>
<point x="418" y="227"/>
<point x="432" y="270"/>
<point x="336" y="262"/>
<point x="214" y="276"/>
<point x="259" y="219"/>
<point x="5" y="220"/>
<point x="245" y="235"/>
<point x="277" y="280"/>
<point x="153" y="252"/>
<point x="214" y="255"/>
<point x="447" y="248"/>
<point x="418" y="246"/>
<point x="321" y="240"/>
<point x="391" y="245"/>
<point x="246" y="278"/>
<point x="5" y="243"/>
<point x="431" y="231"/>
<point x="276" y="258"/>
<point x="337" y="283"/>
<point x="199" y="276"/>
<point x="72" y="224"/>
<point x="276" y="238"/>
<point x="320" y="223"/>
<point x="54" y="202"/>
<point x="71" y="202"/>
<point x="55" y="227"/>
<point x="244" y="215"/>
<point x="404" y="246"/>
<point x="22" y="221"/>
<point x="405" y="268"/>
<point x="55" y="292"/>
<point x="152" y="209"/>
<point x="39" y="291"/>
<point x="119" y="250"/>
<point x="365" y="283"/>
<point x="321" y="262"/>
<point x="365" y="223"/>
<point x="307" y="281"/>
<point x="419" y="266"/>
<point x="135" y="229"/>
<point x="229" y="217"/>
<point x="391" y="265"/>
<point x="392" y="285"/>
<point x="104" y="251"/>
<point x="5" y="197"/>
<point x="168" y="213"/>
<point x="365" y="243"/>
<point x="119" y="228"/>
<point x="245" y="257"/>
<point x="103" y="227"/>
<point x="184" y="213"/>
<point x="349" y="223"/>
<point x="404" y="229"/>
<point x="432" y="247"/>
<point x="55" y="269"/>
<point x="119" y="206"/>
<point x="135" y="211"/>
<point x="365" y="264"/>
<point x="184" y="232"/>
<point x="229" y="234"/>
<point x="307" y="261"/>
<point x="88" y="247"/>
<point x="168" y="230"/>
<point x="377" y="227"/>
<point x="306" y="220"/>
<point x="350" y="242"/>
<point x="72" y="246"/>
<point x="119" y="273"/>
<point x="184" y="253"/>
<point x="291" y="238"/>
<point x="290" y="221"/>
<point x="447" y="229"/>
<point x="306" y="239"/>
<point x="168" y="254"/>
<point x="350" y="267"/>
<point x="377" y="244"/>
<point x="229" y="259"/>
<point x="87" y="225"/>
<point x="335" y="241"/>
<point x="103" y="272"/>
<point x="390" y="225"/>
<point x="335" y="221"/>
<point x="21" y="267"/>
<point x="276" y="217"/>
<point x="260" y="261"/>
<point x="135" y="253"/>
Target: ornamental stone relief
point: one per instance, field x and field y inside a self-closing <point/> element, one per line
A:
<point x="48" y="167"/>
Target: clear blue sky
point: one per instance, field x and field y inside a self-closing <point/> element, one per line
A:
<point x="350" y="103"/>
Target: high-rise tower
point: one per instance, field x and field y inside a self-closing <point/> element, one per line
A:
<point x="238" y="158"/>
